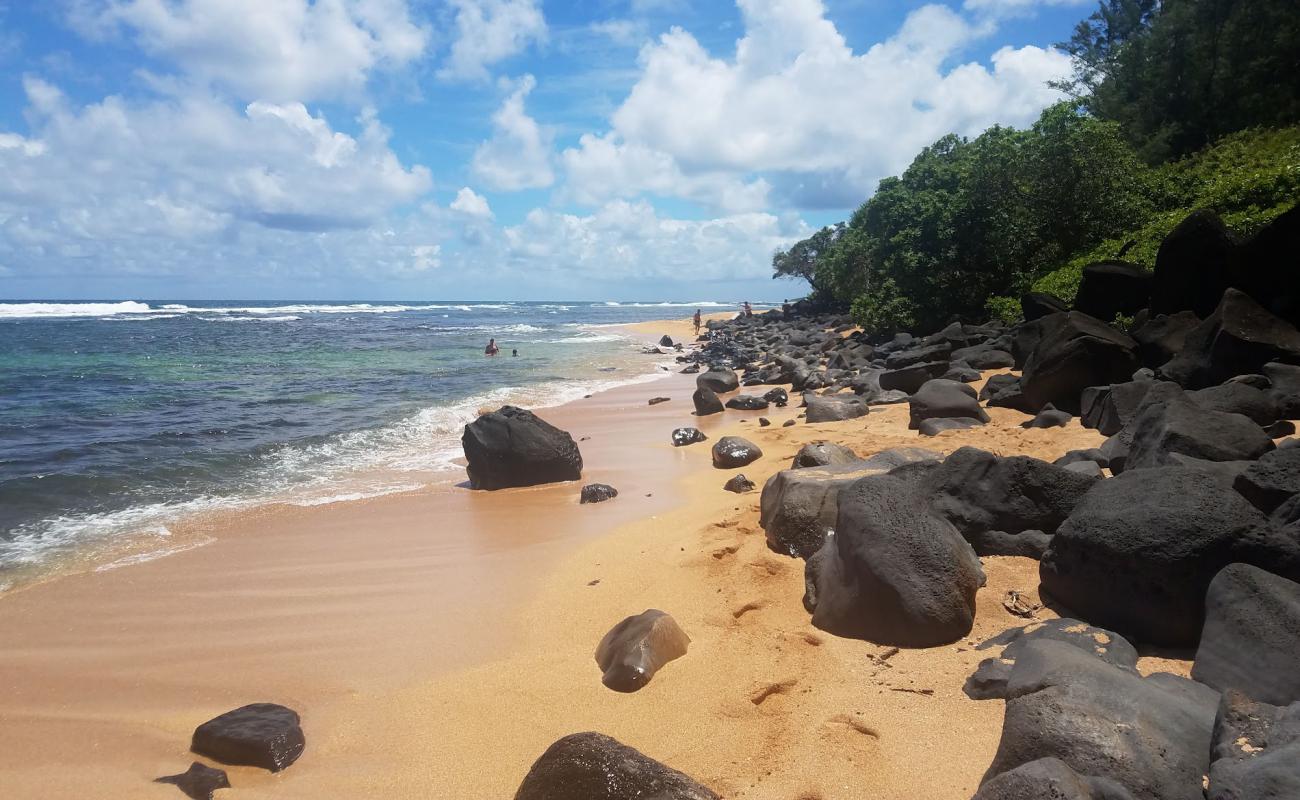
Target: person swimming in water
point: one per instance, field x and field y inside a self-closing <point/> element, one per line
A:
<point x="491" y="348"/>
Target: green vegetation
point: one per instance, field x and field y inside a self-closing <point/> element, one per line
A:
<point x="972" y="224"/>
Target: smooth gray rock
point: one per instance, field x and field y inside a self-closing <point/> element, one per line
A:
<point x="1251" y="638"/>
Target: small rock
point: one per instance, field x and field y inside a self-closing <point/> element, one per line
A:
<point x="654" y="401"/>
<point x="199" y="781"/>
<point x="731" y="452"/>
<point x="597" y="493"/>
<point x="685" y="436"/>
<point x="258" y="735"/>
<point x="739" y="484"/>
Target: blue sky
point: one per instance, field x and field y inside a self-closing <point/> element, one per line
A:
<point x="475" y="149"/>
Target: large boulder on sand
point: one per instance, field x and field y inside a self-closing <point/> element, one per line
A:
<point x="1108" y="288"/>
<point x="1239" y="338"/>
<point x="731" y="452"/>
<point x="747" y="402"/>
<point x="1271" y="480"/>
<point x="1150" y="735"/>
<point x="834" y="408"/>
<point x="593" y="766"/>
<point x="706" y="402"/>
<point x="1138" y="552"/>
<point x="1193" y="266"/>
<point x="514" y="447"/>
<point x="800" y="506"/>
<point x="823" y="454"/>
<point x="990" y="679"/>
<point x="1050" y="778"/>
<point x="718" y="379"/>
<point x="1251" y="638"/>
<point x="1181" y="427"/>
<point x="894" y="572"/>
<point x="1077" y="353"/>
<point x="262" y="735"/>
<point x="1162" y="337"/>
<point x="942" y="399"/>
<point x="1255" y="753"/>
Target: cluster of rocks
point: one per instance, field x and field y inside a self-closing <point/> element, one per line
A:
<point x="264" y="735"/>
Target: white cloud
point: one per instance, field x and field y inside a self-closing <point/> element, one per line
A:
<point x="489" y="31"/>
<point x="795" y="105"/>
<point x="471" y="204"/>
<point x="518" y="156"/>
<point x="279" y="51"/>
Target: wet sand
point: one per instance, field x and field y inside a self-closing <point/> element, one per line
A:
<point x="437" y="642"/>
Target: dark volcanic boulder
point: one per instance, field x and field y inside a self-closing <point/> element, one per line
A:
<point x="936" y="426"/>
<point x="514" y="447"/>
<point x="665" y="341"/>
<point x="1256" y="751"/>
<point x="1161" y="337"/>
<point x="706" y="402"/>
<point x="1109" y="288"/>
<point x="823" y="454"/>
<point x="989" y="680"/>
<point x="1179" y="426"/>
<point x="917" y="355"/>
<point x="1027" y="336"/>
<point x="1049" y="778"/>
<point x="979" y="492"/>
<point x="747" y="402"/>
<point x="1237" y="397"/>
<point x="893" y="573"/>
<point x="1239" y="338"/>
<point x="597" y="493"/>
<point x="731" y="452"/>
<point x="685" y="436"/>
<point x="1079" y="353"/>
<point x="941" y="399"/>
<point x="1271" y="480"/>
<point x="1002" y="391"/>
<point x="1048" y="417"/>
<point x="833" y="408"/>
<point x="1110" y="408"/>
<point x="1150" y="735"/>
<point x="1285" y="388"/>
<point x="1036" y="305"/>
<point x="909" y="379"/>
<point x="262" y="735"/>
<point x="777" y="397"/>
<point x="720" y="380"/>
<point x="1193" y="266"/>
<point x="990" y="359"/>
<point x="739" y="484"/>
<point x="1251" y="638"/>
<point x="593" y="766"/>
<point x="199" y="781"/>
<point x="800" y="506"/>
<point x="1138" y="552"/>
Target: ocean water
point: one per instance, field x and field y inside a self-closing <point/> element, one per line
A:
<point x="118" y="419"/>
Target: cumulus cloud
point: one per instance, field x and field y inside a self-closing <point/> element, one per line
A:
<point x="287" y="50"/>
<point x="471" y="204"/>
<point x="794" y="105"/>
<point x="489" y="31"/>
<point x="518" y="156"/>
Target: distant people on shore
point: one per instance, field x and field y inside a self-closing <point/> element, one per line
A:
<point x="696" y="319"/>
<point x="491" y="348"/>
<point x="746" y="309"/>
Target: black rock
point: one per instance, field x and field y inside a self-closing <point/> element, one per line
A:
<point x="1026" y="337"/>
<point x="1239" y="338"/>
<point x="823" y="454"/>
<point x="1026" y="544"/>
<point x="1285" y="388"/>
<point x="941" y="399"/>
<point x="894" y="572"/>
<point x="1161" y="337"/>
<point x="1108" y="288"/>
<point x="800" y="506"/>
<point x="909" y="379"/>
<point x="1076" y="456"/>
<point x="934" y="427"/>
<point x="199" y="781"/>
<point x="1036" y="305"/>
<point x="1002" y="391"/>
<point x="1193" y="266"/>
<point x="719" y="380"/>
<point x="514" y="447"/>
<point x="764" y="422"/>
<point x="597" y="493"/>
<point x="747" y="402"/>
<point x="1049" y="778"/>
<point x="1078" y="353"/>
<point x="1049" y="417"/>
<point x="789" y="423"/>
<point x="1179" y="426"/>
<point x="834" y="408"/>
<point x="1089" y="468"/>
<point x="665" y="341"/>
<point x="1251" y="638"/>
<point x="1256" y="751"/>
<point x="706" y="402"/>
<point x="654" y="401"/>
<point x="983" y="358"/>
<point x="1150" y="735"/>
<point x="731" y="452"/>
<point x="1138" y="552"/>
<point x="1271" y="480"/>
<point x="262" y="735"/>
<point x="685" y="436"/>
<point x="739" y="484"/>
<point x="592" y="766"/>
<point x="1236" y="397"/>
<point x="692" y="369"/>
<point x="990" y="679"/>
<point x="1283" y="427"/>
<point x="1110" y="408"/>
<point x="777" y="397"/>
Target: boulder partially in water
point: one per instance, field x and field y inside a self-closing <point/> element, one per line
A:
<point x="514" y="447"/>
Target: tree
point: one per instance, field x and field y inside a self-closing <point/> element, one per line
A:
<point x="800" y="261"/>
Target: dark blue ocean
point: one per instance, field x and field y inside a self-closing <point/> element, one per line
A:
<point x="119" y="418"/>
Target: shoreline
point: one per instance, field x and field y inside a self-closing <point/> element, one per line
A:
<point x="414" y="680"/>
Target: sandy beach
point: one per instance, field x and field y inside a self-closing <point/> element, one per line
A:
<point x="437" y="642"/>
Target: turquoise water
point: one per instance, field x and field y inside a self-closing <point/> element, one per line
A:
<point x="117" y="419"/>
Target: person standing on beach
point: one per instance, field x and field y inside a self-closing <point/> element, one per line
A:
<point x="696" y="320"/>
<point x="491" y="348"/>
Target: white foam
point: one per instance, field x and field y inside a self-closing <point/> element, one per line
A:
<point x="21" y="310"/>
<point x="154" y="555"/>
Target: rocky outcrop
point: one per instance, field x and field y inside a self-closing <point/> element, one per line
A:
<point x="1251" y="638"/>
<point x="1078" y="352"/>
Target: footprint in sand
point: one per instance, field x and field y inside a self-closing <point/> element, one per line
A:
<point x="766" y="691"/>
<point x="853" y="724"/>
<point x="752" y="605"/>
